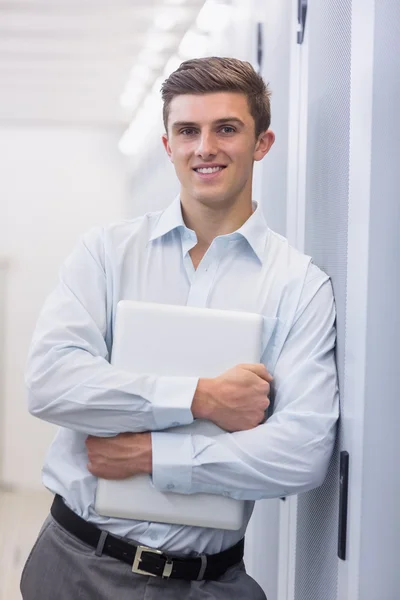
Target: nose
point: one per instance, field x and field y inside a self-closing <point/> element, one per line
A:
<point x="207" y="146"/>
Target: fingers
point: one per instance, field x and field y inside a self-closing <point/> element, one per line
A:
<point x="267" y="403"/>
<point x="258" y="369"/>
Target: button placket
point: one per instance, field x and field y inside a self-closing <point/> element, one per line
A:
<point x="201" y="285"/>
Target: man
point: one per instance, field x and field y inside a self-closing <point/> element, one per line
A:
<point x="211" y="247"/>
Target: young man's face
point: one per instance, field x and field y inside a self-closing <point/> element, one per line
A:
<point x="211" y="141"/>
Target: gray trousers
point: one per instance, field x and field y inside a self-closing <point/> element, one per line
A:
<point x="61" y="567"/>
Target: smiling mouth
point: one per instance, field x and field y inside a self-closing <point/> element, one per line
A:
<point x="209" y="170"/>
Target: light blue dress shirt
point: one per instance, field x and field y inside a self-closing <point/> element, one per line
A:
<point x="71" y="383"/>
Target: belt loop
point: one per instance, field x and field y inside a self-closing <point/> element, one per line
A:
<point x="203" y="567"/>
<point x="102" y="541"/>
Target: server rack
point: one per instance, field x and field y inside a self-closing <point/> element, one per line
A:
<point x="343" y="208"/>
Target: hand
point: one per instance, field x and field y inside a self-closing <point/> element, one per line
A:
<point x="121" y="456"/>
<point x="236" y="400"/>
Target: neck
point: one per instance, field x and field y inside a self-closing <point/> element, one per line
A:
<point x="209" y="221"/>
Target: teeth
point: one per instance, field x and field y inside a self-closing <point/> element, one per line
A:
<point x="209" y="170"/>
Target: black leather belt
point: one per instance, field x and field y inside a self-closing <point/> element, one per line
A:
<point x="144" y="560"/>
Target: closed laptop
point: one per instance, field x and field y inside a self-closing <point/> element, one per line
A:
<point x="171" y="340"/>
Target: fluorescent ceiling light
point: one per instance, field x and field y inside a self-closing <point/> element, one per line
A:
<point x="172" y="65"/>
<point x="141" y="73"/>
<point x="127" y="144"/>
<point x="193" y="45"/>
<point x="139" y="77"/>
<point x="158" y="42"/>
<point x="213" y="16"/>
<point x="175" y="2"/>
<point x="148" y="121"/>
<point x="152" y="59"/>
<point x="129" y="101"/>
<point x="131" y="95"/>
<point x="168" y="18"/>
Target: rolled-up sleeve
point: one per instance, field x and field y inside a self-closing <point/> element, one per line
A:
<point x="69" y="379"/>
<point x="289" y="453"/>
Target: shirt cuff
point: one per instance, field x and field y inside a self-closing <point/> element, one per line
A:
<point x="172" y="401"/>
<point x="172" y="462"/>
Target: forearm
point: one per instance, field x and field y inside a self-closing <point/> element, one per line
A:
<point x="74" y="389"/>
<point x="267" y="462"/>
<point x="121" y="456"/>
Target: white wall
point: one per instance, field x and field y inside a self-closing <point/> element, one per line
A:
<point x="155" y="184"/>
<point x="56" y="183"/>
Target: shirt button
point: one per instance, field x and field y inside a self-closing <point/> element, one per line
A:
<point x="170" y="486"/>
<point x="175" y="424"/>
<point x="227" y="494"/>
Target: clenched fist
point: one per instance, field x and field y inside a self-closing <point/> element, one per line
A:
<point x="236" y="400"/>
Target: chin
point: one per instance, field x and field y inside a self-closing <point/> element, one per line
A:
<point x="212" y="199"/>
<point x="211" y="196"/>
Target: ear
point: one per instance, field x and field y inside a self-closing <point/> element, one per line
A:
<point x="263" y="145"/>
<point x="167" y="146"/>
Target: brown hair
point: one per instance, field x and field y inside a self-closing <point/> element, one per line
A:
<point x="216" y="74"/>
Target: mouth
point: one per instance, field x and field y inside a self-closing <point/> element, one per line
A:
<point x="209" y="172"/>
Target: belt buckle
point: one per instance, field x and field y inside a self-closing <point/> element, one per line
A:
<point x="138" y="558"/>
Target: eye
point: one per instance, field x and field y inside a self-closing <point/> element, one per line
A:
<point x="187" y="131"/>
<point x="227" y="129"/>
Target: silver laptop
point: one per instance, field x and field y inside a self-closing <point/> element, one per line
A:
<point x="170" y="340"/>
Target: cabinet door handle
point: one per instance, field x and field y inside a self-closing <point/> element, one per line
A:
<point x="343" y="497"/>
<point x="260" y="47"/>
<point x="301" y="17"/>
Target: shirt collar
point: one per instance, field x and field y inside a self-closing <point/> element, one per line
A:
<point x="254" y="230"/>
<point x="170" y="219"/>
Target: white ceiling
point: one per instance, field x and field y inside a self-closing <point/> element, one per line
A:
<point x="69" y="60"/>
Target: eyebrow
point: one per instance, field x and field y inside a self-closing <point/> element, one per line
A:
<point x="179" y="124"/>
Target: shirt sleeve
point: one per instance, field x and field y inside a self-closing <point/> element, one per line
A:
<point x="290" y="452"/>
<point x="69" y="379"/>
